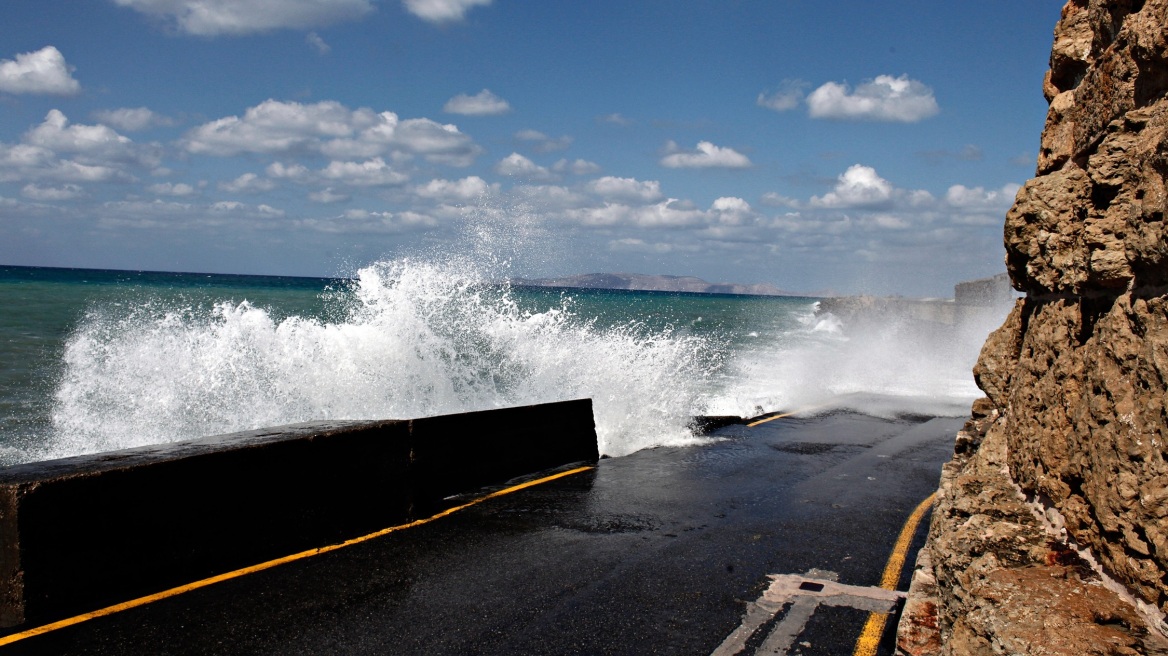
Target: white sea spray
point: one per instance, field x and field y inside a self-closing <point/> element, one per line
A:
<point x="437" y="334"/>
<point x="414" y="338"/>
<point x="896" y="365"/>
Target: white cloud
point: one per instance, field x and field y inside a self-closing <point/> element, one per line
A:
<point x="707" y="155"/>
<point x="979" y="198"/>
<point x="466" y="190"/>
<point x="181" y="215"/>
<point x="775" y="199"/>
<point x="550" y="198"/>
<point x="864" y="206"/>
<point x="24" y="162"/>
<point x="281" y="171"/>
<point x="518" y="166"/>
<point x="24" y="156"/>
<point x="669" y="213"/>
<point x="331" y="129"/>
<point x="63" y="192"/>
<point x="634" y="245"/>
<point x="172" y="189"/>
<point x="366" y="221"/>
<point x="41" y="72"/>
<point x="627" y="189"/>
<point x="227" y="206"/>
<point x="889" y="221"/>
<point x="278" y="127"/>
<point x="373" y="172"/>
<point x="327" y="196"/>
<point x="541" y="143"/>
<point x="788" y="96"/>
<point x="885" y="98"/>
<point x="577" y="167"/>
<point x="318" y="43"/>
<point x="95" y="144"/>
<point x="436" y="142"/>
<point x="442" y="11"/>
<point x="248" y="183"/>
<point x="55" y="133"/>
<point x="56" y="150"/>
<point x="370" y="173"/>
<point x="732" y="211"/>
<point x="975" y="206"/>
<point x="483" y="103"/>
<point x="917" y="198"/>
<point x="146" y="214"/>
<point x="236" y="17"/>
<point x="236" y="207"/>
<point x="77" y="172"/>
<point x="859" y="186"/>
<point x="131" y="119"/>
<point x="978" y="218"/>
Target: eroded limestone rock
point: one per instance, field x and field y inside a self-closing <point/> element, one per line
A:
<point x="1076" y="414"/>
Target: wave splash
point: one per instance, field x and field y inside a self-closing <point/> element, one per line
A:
<point x="886" y="366"/>
<point x="413" y="339"/>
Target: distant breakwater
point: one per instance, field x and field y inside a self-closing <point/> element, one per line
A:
<point x="972" y="301"/>
<point x="654" y="283"/>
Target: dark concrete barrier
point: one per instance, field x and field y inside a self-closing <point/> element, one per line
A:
<point x="706" y="424"/>
<point x="457" y="453"/>
<point x="81" y="533"/>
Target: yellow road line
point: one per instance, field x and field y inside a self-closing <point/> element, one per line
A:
<point x="771" y="418"/>
<point x="172" y="592"/>
<point x="869" y="638"/>
<point x="900" y="551"/>
<point x="800" y="411"/>
<point x="874" y="628"/>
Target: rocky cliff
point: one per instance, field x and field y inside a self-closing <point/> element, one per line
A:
<point x="1051" y="530"/>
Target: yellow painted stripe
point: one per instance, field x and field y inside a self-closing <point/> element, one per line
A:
<point x="870" y="636"/>
<point x="158" y="596"/>
<point x="801" y="411"/>
<point x="874" y="627"/>
<point x="900" y="551"/>
<point x="770" y="418"/>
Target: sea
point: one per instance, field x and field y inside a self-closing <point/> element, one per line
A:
<point x="98" y="360"/>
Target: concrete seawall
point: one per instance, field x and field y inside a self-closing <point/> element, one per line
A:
<point x="81" y="533"/>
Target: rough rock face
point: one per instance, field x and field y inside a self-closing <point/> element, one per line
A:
<point x="1076" y="414"/>
<point x="994" y="580"/>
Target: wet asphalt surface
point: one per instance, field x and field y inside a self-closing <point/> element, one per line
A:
<point x="653" y="553"/>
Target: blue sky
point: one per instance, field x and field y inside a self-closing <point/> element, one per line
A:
<point x="852" y="146"/>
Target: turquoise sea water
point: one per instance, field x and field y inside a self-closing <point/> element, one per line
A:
<point x="99" y="360"/>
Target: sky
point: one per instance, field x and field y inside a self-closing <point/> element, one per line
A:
<point x="848" y="146"/>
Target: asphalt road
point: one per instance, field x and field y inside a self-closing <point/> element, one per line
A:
<point x="661" y="552"/>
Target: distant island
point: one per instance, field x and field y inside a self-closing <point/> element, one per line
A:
<point x="645" y="282"/>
